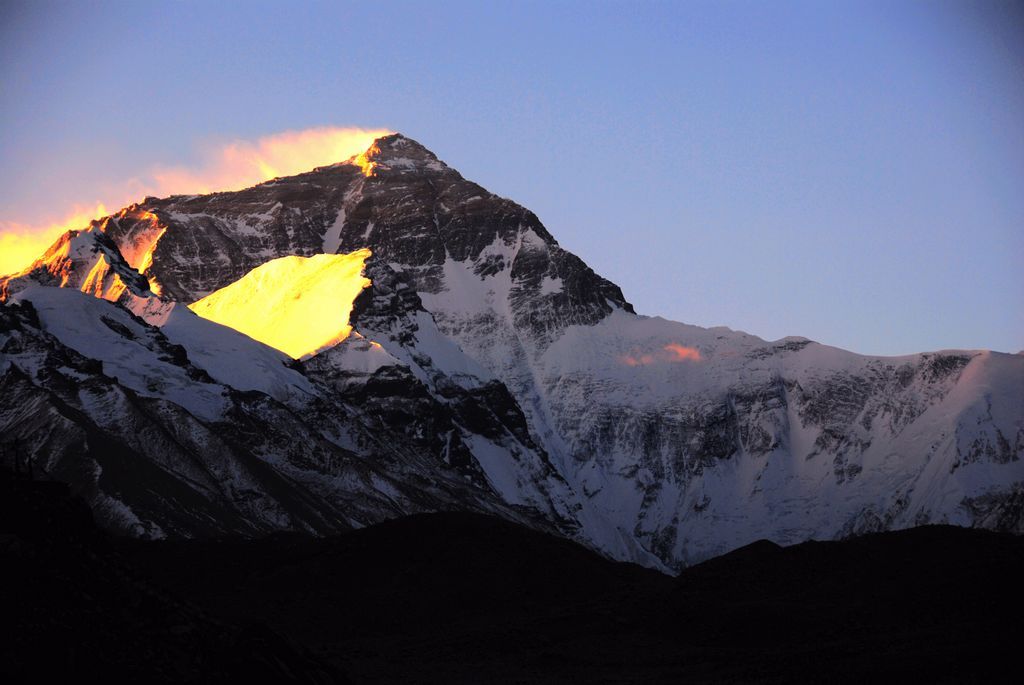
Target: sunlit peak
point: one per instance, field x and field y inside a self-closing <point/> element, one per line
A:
<point x="363" y="160"/>
<point x="224" y="166"/>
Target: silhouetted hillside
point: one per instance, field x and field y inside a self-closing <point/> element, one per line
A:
<point x="74" y="610"/>
<point x="464" y="598"/>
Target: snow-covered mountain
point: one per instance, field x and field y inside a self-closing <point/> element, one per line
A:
<point x="488" y="369"/>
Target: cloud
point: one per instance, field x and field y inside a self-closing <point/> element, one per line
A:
<point x="20" y="244"/>
<point x="242" y="163"/>
<point x="227" y="166"/>
<point x="673" y="352"/>
<point x="682" y="352"/>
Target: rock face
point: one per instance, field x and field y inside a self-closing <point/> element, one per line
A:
<point x="161" y="447"/>
<point x="502" y="370"/>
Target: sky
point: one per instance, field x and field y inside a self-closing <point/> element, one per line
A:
<point x="852" y="172"/>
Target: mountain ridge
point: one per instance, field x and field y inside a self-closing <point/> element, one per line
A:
<point x="644" y="438"/>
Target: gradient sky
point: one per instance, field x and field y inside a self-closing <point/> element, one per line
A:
<point x="851" y="172"/>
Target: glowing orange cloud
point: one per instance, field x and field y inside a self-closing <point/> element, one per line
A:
<point x="673" y="352"/>
<point x="639" y="360"/>
<point x="228" y="166"/>
<point x="681" y="352"/>
<point x="241" y="163"/>
<point x="21" y="244"/>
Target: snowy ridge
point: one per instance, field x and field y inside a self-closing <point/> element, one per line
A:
<point x="159" y="448"/>
<point x="138" y="356"/>
<point x="490" y="369"/>
<point x="235" y="359"/>
<point x="814" y="441"/>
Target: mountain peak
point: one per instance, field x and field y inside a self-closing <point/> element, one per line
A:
<point x="396" y="145"/>
<point x="395" y="152"/>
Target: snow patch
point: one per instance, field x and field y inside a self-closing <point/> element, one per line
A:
<point x="332" y="238"/>
<point x="550" y="286"/>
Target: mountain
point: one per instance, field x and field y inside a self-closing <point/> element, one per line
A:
<point x="488" y="369"/>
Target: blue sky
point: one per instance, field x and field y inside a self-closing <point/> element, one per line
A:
<point x="851" y="172"/>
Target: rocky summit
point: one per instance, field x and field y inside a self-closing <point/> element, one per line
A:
<point x="487" y="370"/>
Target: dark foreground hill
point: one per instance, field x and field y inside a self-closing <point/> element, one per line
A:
<point x="463" y="598"/>
<point x="74" y="610"/>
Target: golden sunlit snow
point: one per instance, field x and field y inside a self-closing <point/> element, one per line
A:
<point x="364" y="162"/>
<point x="299" y="305"/>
